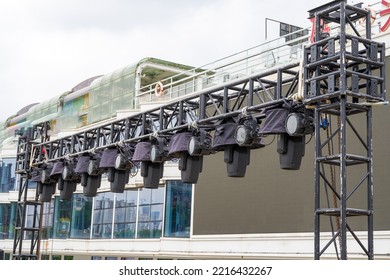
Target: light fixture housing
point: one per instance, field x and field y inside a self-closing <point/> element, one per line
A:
<point x="200" y="145"/>
<point x="93" y="167"/>
<point x="296" y="124"/>
<point x="159" y="151"/>
<point x="246" y="131"/>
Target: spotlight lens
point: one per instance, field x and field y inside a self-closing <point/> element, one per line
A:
<point x="154" y="154"/>
<point x="294" y="125"/>
<point x="119" y="162"/>
<point x="65" y="173"/>
<point x="193" y="146"/>
<point x="242" y="136"/>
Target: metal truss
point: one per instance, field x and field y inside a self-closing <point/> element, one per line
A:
<point x="24" y="231"/>
<point x="344" y="75"/>
<point x="200" y="110"/>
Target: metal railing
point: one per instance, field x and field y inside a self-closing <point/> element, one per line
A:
<point x="274" y="53"/>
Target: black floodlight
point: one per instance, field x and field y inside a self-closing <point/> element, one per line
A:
<point x="45" y="175"/>
<point x="291" y="149"/>
<point x="94" y="178"/>
<point x="235" y="156"/>
<point x="159" y="150"/>
<point x="36" y="175"/>
<point x="122" y="163"/>
<point x="107" y="163"/>
<point x="69" y="174"/>
<point x="67" y="189"/>
<point x="68" y="181"/>
<point x="151" y="172"/>
<point x="121" y="173"/>
<point x="298" y="124"/>
<point x="123" y="158"/>
<point x="121" y="178"/>
<point x="90" y="174"/>
<point x="200" y="145"/>
<point x="93" y="167"/>
<point x="56" y="172"/>
<point x="93" y="183"/>
<point x="236" y="159"/>
<point x="275" y="119"/>
<point x="82" y="169"/>
<point x="247" y="131"/>
<point x="46" y="191"/>
<point x="189" y="165"/>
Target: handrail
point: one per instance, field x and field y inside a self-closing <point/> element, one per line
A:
<point x="258" y="58"/>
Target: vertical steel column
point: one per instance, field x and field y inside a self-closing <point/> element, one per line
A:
<point x="335" y="87"/>
<point x="317" y="184"/>
<point x="370" y="186"/>
<point x="343" y="136"/>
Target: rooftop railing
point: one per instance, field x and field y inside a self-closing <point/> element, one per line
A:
<point x="274" y="53"/>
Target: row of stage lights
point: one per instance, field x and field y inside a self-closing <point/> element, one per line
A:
<point x="236" y="137"/>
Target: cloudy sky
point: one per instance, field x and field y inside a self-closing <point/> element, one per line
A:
<point x="49" y="46"/>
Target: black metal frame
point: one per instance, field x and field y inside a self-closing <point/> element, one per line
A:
<point x="23" y="172"/>
<point x="337" y="83"/>
<point x="340" y="83"/>
<point x="202" y="110"/>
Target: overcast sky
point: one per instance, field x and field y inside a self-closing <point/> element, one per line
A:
<point x="49" y="46"/>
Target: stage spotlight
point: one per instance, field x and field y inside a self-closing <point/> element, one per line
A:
<point x="200" y="144"/>
<point x="246" y="131"/>
<point x="90" y="174"/>
<point x="45" y="175"/>
<point x="46" y="185"/>
<point x="46" y="191"/>
<point x="159" y="150"/>
<point x="107" y="163"/>
<point x="82" y="169"/>
<point x="291" y="149"/>
<point x="121" y="173"/>
<point x="298" y="124"/>
<point x="151" y="172"/>
<point x="68" y="180"/>
<point x="235" y="156"/>
<point x="189" y="165"/>
<point x="93" y="183"/>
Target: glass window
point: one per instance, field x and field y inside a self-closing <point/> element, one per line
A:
<point x="7" y="175"/>
<point x="32" y="215"/>
<point x="81" y="216"/>
<point x="178" y="209"/>
<point x="103" y="214"/>
<point x="125" y="214"/>
<point x="47" y="220"/>
<point x="5" y="220"/>
<point x="150" y="213"/>
<point x="62" y="218"/>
